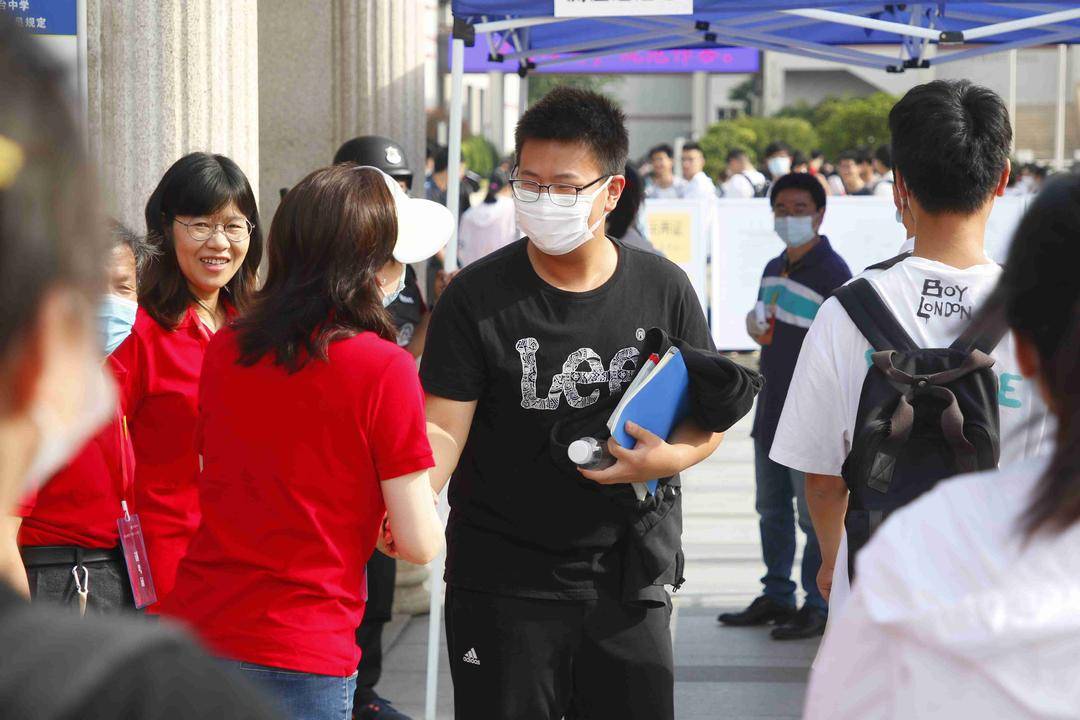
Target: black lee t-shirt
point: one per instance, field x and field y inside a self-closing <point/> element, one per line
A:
<point x="408" y="309"/>
<point x="530" y="355"/>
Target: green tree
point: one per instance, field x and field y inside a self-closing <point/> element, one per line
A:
<point x="848" y="123"/>
<point x="745" y="92"/>
<point x="480" y="155"/>
<point x="540" y="83"/>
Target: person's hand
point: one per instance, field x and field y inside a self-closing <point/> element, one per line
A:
<point x="824" y="579"/>
<point x="385" y="543"/>
<point x="442" y="279"/>
<point x="650" y="459"/>
<point x="754" y="329"/>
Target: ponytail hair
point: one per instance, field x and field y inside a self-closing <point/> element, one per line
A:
<point x="1041" y="290"/>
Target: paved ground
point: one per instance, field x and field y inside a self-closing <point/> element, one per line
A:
<point x="720" y="673"/>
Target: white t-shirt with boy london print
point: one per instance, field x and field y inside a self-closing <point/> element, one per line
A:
<point x="933" y="302"/>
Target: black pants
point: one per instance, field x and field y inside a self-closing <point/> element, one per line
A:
<point x="381" y="573"/>
<point x="110" y="588"/>
<point x="515" y="658"/>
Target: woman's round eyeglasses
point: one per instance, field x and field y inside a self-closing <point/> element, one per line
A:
<point x="235" y="231"/>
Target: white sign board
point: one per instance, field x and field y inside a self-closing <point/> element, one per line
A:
<point x="680" y="230"/>
<point x="863" y="230"/>
<point x="609" y="8"/>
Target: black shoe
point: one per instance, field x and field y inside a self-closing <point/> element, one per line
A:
<point x="378" y="709"/>
<point x="807" y="623"/>
<point x="762" y="611"/>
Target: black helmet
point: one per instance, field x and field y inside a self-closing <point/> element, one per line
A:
<point x="376" y="151"/>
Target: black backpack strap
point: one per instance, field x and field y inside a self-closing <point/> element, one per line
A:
<point x="872" y="317"/>
<point x="987" y="328"/>
<point x="886" y="264"/>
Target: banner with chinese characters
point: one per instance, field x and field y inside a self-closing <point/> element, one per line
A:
<point x="608" y="8"/>
<point x="55" y="25"/>
<point x="678" y="60"/>
<point x="679" y="229"/>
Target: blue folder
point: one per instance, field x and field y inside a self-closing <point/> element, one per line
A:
<point x="662" y="403"/>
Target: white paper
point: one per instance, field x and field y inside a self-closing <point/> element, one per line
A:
<point x="608" y="8"/>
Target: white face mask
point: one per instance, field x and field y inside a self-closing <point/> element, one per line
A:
<point x="389" y="297"/>
<point x="779" y="166"/>
<point x="59" y="442"/>
<point x="795" y="231"/>
<point x="557" y="230"/>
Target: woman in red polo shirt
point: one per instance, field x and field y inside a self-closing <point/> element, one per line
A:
<point x="203" y="219"/>
<point x="312" y="431"/>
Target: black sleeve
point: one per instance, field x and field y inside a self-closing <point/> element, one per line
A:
<point x="453" y="365"/>
<point x="174" y="681"/>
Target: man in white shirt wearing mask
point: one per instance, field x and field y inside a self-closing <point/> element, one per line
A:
<point x="538" y="620"/>
<point x="777" y="160"/>
<point x="950" y="142"/>
<point x="663" y="182"/>
<point x="698" y="183"/>
<point x="744" y="181"/>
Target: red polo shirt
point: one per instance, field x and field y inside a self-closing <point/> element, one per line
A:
<point x="291" y="500"/>
<point x="157" y="371"/>
<point x="80" y="504"/>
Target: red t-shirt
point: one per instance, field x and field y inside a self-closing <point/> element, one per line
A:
<point x="157" y="372"/>
<point x="291" y="501"/>
<point x="80" y="504"/>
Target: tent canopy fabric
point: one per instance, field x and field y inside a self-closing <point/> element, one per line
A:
<point x="797" y="26"/>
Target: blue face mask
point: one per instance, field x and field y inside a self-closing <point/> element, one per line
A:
<point x="390" y="297"/>
<point x="116" y="315"/>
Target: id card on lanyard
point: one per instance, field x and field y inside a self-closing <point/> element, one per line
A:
<point x="131" y="535"/>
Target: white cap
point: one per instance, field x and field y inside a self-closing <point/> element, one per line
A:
<point x="424" y="227"/>
<point x="581" y="451"/>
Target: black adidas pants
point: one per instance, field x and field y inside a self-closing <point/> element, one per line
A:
<point x="514" y="658"/>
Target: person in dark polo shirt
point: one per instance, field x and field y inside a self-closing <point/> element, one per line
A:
<point x="793" y="287"/>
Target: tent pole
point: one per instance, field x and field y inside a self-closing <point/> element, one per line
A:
<point x="1059" y="130"/>
<point x="842" y="18"/>
<point x="1013" y="56"/>
<point x="1065" y="36"/>
<point x="1036" y="21"/>
<point x="453" y="184"/>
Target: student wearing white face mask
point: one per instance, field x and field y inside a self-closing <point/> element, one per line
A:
<point x="532" y="334"/>
<point x="793" y="287"/>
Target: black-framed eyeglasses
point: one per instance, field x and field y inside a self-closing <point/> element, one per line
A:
<point x="562" y="194"/>
<point x="235" y="231"/>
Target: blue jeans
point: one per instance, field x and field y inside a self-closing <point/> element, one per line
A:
<point x="777" y="487"/>
<point x="303" y="696"/>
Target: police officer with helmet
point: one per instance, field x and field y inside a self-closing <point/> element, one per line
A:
<point x="410" y="316"/>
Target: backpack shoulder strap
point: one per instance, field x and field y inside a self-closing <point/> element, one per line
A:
<point x="886" y="264"/>
<point x="872" y="317"/>
<point x="987" y="328"/>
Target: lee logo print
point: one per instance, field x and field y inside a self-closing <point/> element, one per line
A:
<point x="944" y="301"/>
<point x="582" y="368"/>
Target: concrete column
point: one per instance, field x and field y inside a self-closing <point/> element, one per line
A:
<point x="378" y="73"/>
<point x="494" y="116"/>
<point x="167" y="78"/>
<point x="699" y="105"/>
<point x="773" y="75"/>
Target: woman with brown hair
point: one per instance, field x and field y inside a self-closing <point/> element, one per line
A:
<point x="312" y="432"/>
<point x="204" y="225"/>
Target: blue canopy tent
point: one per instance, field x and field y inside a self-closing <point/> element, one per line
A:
<point x="926" y="33"/>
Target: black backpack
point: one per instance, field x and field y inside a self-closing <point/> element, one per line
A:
<point x="760" y="190"/>
<point x="925" y="414"/>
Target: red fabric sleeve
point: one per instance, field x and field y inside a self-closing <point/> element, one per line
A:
<point x="397" y="428"/>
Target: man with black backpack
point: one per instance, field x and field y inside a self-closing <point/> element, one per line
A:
<point x="905" y="378"/>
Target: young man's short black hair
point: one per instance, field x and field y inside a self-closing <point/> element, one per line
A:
<point x="950" y="143"/>
<point x="799" y="181"/>
<point x="884" y="156"/>
<point x="570" y="114"/>
<point x="777" y="147"/>
<point x="692" y="146"/>
<point x="442" y="159"/>
<point x="847" y="155"/>
<point x="736" y="154"/>
<point x="664" y="148"/>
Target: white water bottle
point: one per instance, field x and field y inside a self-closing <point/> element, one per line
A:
<point x="590" y="454"/>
